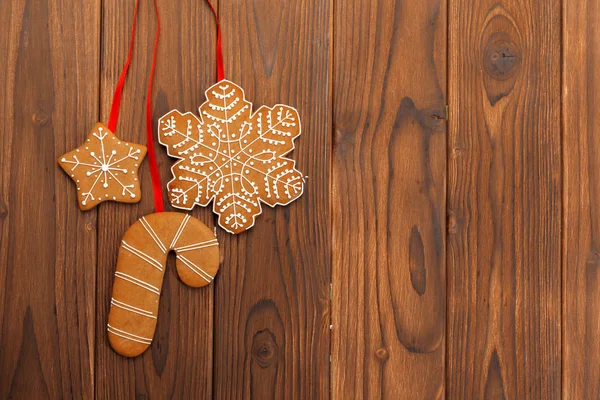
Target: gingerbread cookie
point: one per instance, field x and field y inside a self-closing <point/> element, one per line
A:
<point x="233" y="156"/>
<point x="104" y="168"/>
<point x="140" y="270"/>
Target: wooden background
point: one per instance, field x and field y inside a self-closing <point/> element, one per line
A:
<point x="447" y="244"/>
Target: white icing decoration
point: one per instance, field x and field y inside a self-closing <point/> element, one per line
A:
<point x="142" y="255"/>
<point x="130" y="308"/>
<point x="199" y="271"/>
<point x="138" y="282"/>
<point x="104" y="168"/>
<point x="128" y="336"/>
<point x="152" y="234"/>
<point x="180" y="230"/>
<point x="196" y="246"/>
<point x="219" y="165"/>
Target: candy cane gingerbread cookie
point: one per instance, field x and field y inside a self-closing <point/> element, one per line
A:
<point x="140" y="271"/>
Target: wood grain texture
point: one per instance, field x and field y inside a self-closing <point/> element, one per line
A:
<point x="47" y="246"/>
<point x="272" y="295"/>
<point x="389" y="193"/>
<point x="504" y="202"/>
<point x="179" y="362"/>
<point x="581" y="190"/>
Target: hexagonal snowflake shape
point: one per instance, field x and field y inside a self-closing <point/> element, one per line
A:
<point x="233" y="156"/>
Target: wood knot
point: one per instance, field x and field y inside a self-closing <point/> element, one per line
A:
<point x="452" y="224"/>
<point x="3" y="211"/>
<point x="89" y="227"/>
<point x="501" y="56"/>
<point x="382" y="354"/>
<point x="264" y="348"/>
<point x="40" y="117"/>
<point x="593" y="259"/>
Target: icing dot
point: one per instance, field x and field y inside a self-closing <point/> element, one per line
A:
<point x="114" y="152"/>
<point x="132" y="195"/>
<point x="124" y="171"/>
<point x="63" y="159"/>
<point x="104" y="168"/>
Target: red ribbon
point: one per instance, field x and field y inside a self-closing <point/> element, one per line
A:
<point x="114" y="111"/>
<point x="220" y="68"/>
<point x="156" y="185"/>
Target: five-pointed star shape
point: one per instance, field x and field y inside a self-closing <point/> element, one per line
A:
<point x="104" y="168"/>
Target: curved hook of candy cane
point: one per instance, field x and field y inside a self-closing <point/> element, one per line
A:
<point x="140" y="270"/>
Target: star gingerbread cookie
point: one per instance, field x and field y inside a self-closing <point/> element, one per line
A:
<point x="104" y="168"/>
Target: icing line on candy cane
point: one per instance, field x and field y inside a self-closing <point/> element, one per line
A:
<point x="197" y="246"/>
<point x="137" y="282"/>
<point x="142" y="255"/>
<point x="195" y="268"/>
<point x="131" y="308"/>
<point x="121" y="333"/>
<point x="180" y="230"/>
<point x="152" y="234"/>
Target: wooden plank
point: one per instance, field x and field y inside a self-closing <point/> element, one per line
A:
<point x="272" y="295"/>
<point x="49" y="76"/>
<point x="179" y="362"/>
<point x="504" y="241"/>
<point x="581" y="219"/>
<point x="389" y="193"/>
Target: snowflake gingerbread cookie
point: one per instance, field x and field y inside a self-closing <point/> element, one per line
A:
<point x="232" y="156"/>
<point x="104" y="168"/>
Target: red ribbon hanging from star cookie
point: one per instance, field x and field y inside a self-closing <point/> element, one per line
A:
<point x="106" y="167"/>
<point x="230" y="155"/>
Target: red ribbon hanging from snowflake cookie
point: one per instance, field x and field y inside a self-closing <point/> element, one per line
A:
<point x="230" y="155"/>
<point x="219" y="53"/>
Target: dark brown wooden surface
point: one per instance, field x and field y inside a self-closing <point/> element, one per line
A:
<point x="432" y="255"/>
<point x="504" y="200"/>
<point x="272" y="296"/>
<point x="581" y="189"/>
<point x="389" y="194"/>
<point x="49" y="84"/>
